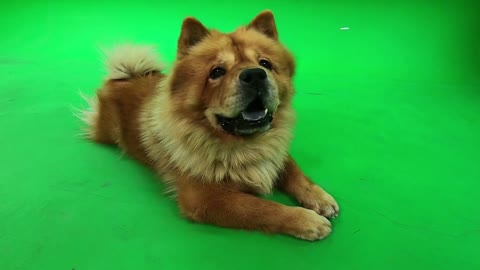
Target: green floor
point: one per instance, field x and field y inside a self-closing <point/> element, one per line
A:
<point x="388" y="122"/>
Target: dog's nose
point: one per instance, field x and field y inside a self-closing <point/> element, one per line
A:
<point x="253" y="76"/>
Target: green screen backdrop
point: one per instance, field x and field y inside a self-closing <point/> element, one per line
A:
<point x="388" y="122"/>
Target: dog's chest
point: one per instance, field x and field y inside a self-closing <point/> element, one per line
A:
<point x="254" y="167"/>
<point x="259" y="174"/>
<point x="177" y="147"/>
<point x="257" y="169"/>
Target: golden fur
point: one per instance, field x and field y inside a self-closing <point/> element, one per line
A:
<point x="169" y="123"/>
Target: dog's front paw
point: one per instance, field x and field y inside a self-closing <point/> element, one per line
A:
<point x="310" y="226"/>
<point x="320" y="201"/>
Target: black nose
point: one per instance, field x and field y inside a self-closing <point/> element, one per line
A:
<point x="253" y="76"/>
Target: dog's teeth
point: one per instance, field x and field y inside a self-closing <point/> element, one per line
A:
<point x="254" y="116"/>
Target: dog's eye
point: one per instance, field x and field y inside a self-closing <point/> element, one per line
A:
<point x="217" y="73"/>
<point x="264" y="63"/>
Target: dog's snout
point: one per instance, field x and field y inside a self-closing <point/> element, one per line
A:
<point x="253" y="76"/>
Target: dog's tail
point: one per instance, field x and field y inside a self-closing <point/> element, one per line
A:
<point x="129" y="61"/>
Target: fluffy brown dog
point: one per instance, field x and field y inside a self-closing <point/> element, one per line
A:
<point x="217" y="128"/>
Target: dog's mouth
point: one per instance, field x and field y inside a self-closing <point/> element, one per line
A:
<point x="255" y="118"/>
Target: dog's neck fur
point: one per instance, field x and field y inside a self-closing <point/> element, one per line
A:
<point x="173" y="142"/>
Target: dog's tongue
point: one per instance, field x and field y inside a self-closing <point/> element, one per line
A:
<point x="254" y="115"/>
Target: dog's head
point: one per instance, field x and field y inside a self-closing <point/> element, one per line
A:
<point x="236" y="83"/>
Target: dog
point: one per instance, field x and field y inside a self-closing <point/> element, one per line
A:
<point x="216" y="128"/>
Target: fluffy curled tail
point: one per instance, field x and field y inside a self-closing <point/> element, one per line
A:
<point x="129" y="61"/>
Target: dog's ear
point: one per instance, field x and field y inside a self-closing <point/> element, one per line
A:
<point x="265" y="24"/>
<point x="192" y="32"/>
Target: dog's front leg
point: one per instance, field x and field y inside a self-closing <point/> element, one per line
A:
<point x="226" y="206"/>
<point x="308" y="194"/>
